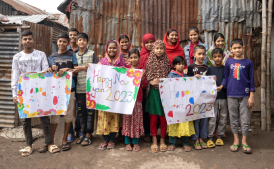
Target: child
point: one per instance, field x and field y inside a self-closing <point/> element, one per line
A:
<point x="197" y="69"/>
<point x="193" y="34"/>
<point x="180" y="130"/>
<point x="133" y="124"/>
<point x="218" y="42"/>
<point x="158" y="66"/>
<point x="125" y="44"/>
<point x="73" y="33"/>
<point x="108" y="123"/>
<point x="84" y="57"/>
<point x="63" y="61"/>
<point x="220" y="106"/>
<point x="239" y="82"/>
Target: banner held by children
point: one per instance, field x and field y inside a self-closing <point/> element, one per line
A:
<point x="112" y="89"/>
<point x="188" y="98"/>
<point x="43" y="94"/>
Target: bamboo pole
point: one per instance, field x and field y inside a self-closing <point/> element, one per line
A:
<point x="268" y="67"/>
<point x="263" y="67"/>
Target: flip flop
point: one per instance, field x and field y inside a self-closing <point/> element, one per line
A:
<point x="246" y="147"/>
<point x="64" y="148"/>
<point x="28" y="150"/>
<point x="70" y="138"/>
<point x="154" y="146"/>
<point x="171" y="149"/>
<point x="219" y="142"/>
<point x="43" y="149"/>
<point x="102" y="146"/>
<point x="210" y="144"/>
<point x="163" y="146"/>
<point x="185" y="148"/>
<point x="52" y="148"/>
<point x="136" y="148"/>
<point x="197" y="145"/>
<point x="111" y="146"/>
<point x="128" y="147"/>
<point x="88" y="140"/>
<point x="80" y="139"/>
<point x="234" y="146"/>
<point x="203" y="144"/>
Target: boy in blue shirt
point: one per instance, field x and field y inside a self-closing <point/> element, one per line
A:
<point x="239" y="82"/>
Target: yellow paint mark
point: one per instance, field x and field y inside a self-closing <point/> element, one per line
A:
<point x="41" y="89"/>
<point x="27" y="106"/>
<point x="187" y="92"/>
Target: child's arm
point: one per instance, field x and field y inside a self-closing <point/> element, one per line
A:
<point x="250" y="102"/>
<point x="225" y="79"/>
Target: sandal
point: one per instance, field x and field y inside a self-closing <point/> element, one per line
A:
<point x="234" y="146"/>
<point x="171" y="148"/>
<point x="186" y="148"/>
<point x="88" y="140"/>
<point x="70" y="138"/>
<point x="203" y="144"/>
<point x="210" y="144"/>
<point x="80" y="140"/>
<point x="43" y="149"/>
<point x="64" y="148"/>
<point x="197" y="145"/>
<point x="54" y="149"/>
<point x="111" y="146"/>
<point x="102" y="146"/>
<point x="128" y="147"/>
<point x="219" y="142"/>
<point x="27" y="150"/>
<point x="154" y="146"/>
<point x="136" y="148"/>
<point x="245" y="149"/>
<point x="163" y="148"/>
<point x="147" y="139"/>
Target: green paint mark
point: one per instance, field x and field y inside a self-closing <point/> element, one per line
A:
<point x="68" y="83"/>
<point x="41" y="76"/>
<point x="185" y="79"/>
<point x="20" y="106"/>
<point x="33" y="76"/>
<point x="197" y="78"/>
<point x="36" y="90"/>
<point x="64" y="74"/>
<point x="88" y="85"/>
<point x="102" y="107"/>
<point x="135" y="93"/>
<point x="120" y="70"/>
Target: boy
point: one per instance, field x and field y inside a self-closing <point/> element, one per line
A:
<point x="31" y="61"/>
<point x="73" y="33"/>
<point x="84" y="57"/>
<point x="220" y="106"/>
<point x="239" y="82"/>
<point x="63" y="61"/>
<point x="197" y="69"/>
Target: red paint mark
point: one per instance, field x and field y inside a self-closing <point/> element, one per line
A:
<point x="177" y="106"/>
<point x="177" y="79"/>
<point x="161" y="86"/>
<point x="183" y="93"/>
<point x="177" y="120"/>
<point x="162" y="92"/>
<point x="55" y="100"/>
<point x="170" y="114"/>
<point x="53" y="86"/>
<point x="31" y="91"/>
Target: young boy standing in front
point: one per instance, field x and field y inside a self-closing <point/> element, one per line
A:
<point x="239" y="82"/>
<point x="197" y="69"/>
<point x="62" y="61"/>
<point x="84" y="57"/>
<point x="220" y="106"/>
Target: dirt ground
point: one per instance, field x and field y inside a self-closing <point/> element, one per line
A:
<point x="261" y="142"/>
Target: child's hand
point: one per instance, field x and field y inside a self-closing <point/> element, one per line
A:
<point x="61" y="72"/>
<point x="79" y="69"/>
<point x="123" y="67"/>
<point x="250" y="102"/>
<point x="54" y="68"/>
<point x="198" y="76"/>
<point x="15" y="100"/>
<point x="49" y="70"/>
<point x="155" y="82"/>
<point x="87" y="65"/>
<point x="185" y="71"/>
<point x="219" y="88"/>
<point x="215" y="78"/>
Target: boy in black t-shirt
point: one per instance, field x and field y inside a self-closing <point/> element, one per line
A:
<point x="220" y="106"/>
<point x="197" y="69"/>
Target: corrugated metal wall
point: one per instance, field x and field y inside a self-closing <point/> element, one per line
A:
<point x="99" y="18"/>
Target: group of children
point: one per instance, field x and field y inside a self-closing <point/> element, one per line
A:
<point x="158" y="59"/>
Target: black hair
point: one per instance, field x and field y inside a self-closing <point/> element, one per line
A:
<point x="136" y="51"/>
<point x="193" y="28"/>
<point x="217" y="50"/>
<point x="82" y="35"/>
<point x="73" y="30"/>
<point x="123" y="37"/>
<point x="26" y="33"/>
<point x="236" y="41"/>
<point x="170" y="31"/>
<point x="63" y="35"/>
<point x="177" y="60"/>
<point x="111" y="43"/>
<point x="199" y="47"/>
<point x="217" y="35"/>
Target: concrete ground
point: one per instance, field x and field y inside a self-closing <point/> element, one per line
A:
<point x="261" y="142"/>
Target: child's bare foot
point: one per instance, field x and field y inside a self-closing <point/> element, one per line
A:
<point x="187" y="148"/>
<point x="128" y="147"/>
<point x="171" y="148"/>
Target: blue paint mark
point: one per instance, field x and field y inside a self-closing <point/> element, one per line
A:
<point x="204" y="91"/>
<point x="162" y="100"/>
<point x="19" y="86"/>
<point x="22" y="115"/>
<point x="177" y="94"/>
<point x="204" y="78"/>
<point x="191" y="100"/>
<point x="48" y="75"/>
<point x="204" y="115"/>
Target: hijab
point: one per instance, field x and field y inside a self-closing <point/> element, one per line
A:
<point x="191" y="52"/>
<point x="144" y="52"/>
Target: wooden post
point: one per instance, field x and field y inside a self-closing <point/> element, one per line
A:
<point x="263" y="66"/>
<point x="268" y="67"/>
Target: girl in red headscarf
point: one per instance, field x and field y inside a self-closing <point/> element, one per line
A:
<point x="173" y="48"/>
<point x="126" y="46"/>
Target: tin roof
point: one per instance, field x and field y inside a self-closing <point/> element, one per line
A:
<point x="31" y="18"/>
<point x="24" y="7"/>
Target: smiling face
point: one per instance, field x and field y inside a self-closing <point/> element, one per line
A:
<point x="112" y="49"/>
<point x="172" y="37"/>
<point x="72" y="36"/>
<point x="200" y="55"/>
<point x="134" y="59"/>
<point x="193" y="36"/>
<point x="149" y="44"/>
<point x="218" y="59"/>
<point x="27" y="41"/>
<point x="179" y="67"/>
<point x="159" y="50"/>
<point x="219" y="43"/>
<point x="237" y="50"/>
<point x="62" y="43"/>
<point x="124" y="44"/>
<point x="82" y="43"/>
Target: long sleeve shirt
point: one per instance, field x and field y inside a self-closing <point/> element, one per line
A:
<point x="22" y="63"/>
<point x="239" y="77"/>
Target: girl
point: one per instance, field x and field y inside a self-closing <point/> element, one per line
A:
<point x="133" y="124"/>
<point x="180" y="130"/>
<point x="158" y="66"/>
<point x="219" y="42"/>
<point x="193" y="34"/>
<point x="148" y="40"/>
<point x="125" y="44"/>
<point x="108" y="123"/>
<point x="173" y="48"/>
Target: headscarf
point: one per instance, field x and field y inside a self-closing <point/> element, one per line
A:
<point x="144" y="52"/>
<point x="157" y="67"/>
<point x="191" y="51"/>
<point x="125" y="54"/>
<point x="173" y="51"/>
<point x="227" y="53"/>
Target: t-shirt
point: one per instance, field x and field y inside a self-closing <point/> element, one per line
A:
<point x="195" y="69"/>
<point x="219" y="73"/>
<point x="239" y="77"/>
<point x="64" y="60"/>
<point x="88" y="56"/>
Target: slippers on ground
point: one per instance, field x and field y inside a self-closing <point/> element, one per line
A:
<point x="111" y="146"/>
<point x="153" y="147"/>
<point x="245" y="147"/>
<point x="80" y="140"/>
<point x="163" y="147"/>
<point x="210" y="144"/>
<point x="64" y="148"/>
<point x="70" y="138"/>
<point x="87" y="140"/>
<point x="136" y="148"/>
<point x="43" y="149"/>
<point x="27" y="151"/>
<point x="102" y="146"/>
<point x="171" y="148"/>
<point x="203" y="144"/>
<point x="219" y="142"/>
<point x="128" y="147"/>
<point x="54" y="149"/>
<point x="196" y="146"/>
<point x="236" y="148"/>
<point x="186" y="148"/>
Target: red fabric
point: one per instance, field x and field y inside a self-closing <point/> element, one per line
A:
<point x="144" y="52"/>
<point x="142" y="85"/>
<point x="153" y="125"/>
<point x="173" y="51"/>
<point x="177" y="73"/>
<point x="191" y="52"/>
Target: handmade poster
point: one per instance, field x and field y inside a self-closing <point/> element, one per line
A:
<point x="112" y="89"/>
<point x="43" y="94"/>
<point x="188" y="98"/>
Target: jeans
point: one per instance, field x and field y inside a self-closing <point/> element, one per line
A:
<point x="110" y="137"/>
<point x="201" y="128"/>
<point x="77" y="126"/>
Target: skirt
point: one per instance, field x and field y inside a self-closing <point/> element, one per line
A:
<point x="107" y="123"/>
<point x="181" y="129"/>
<point x="154" y="104"/>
